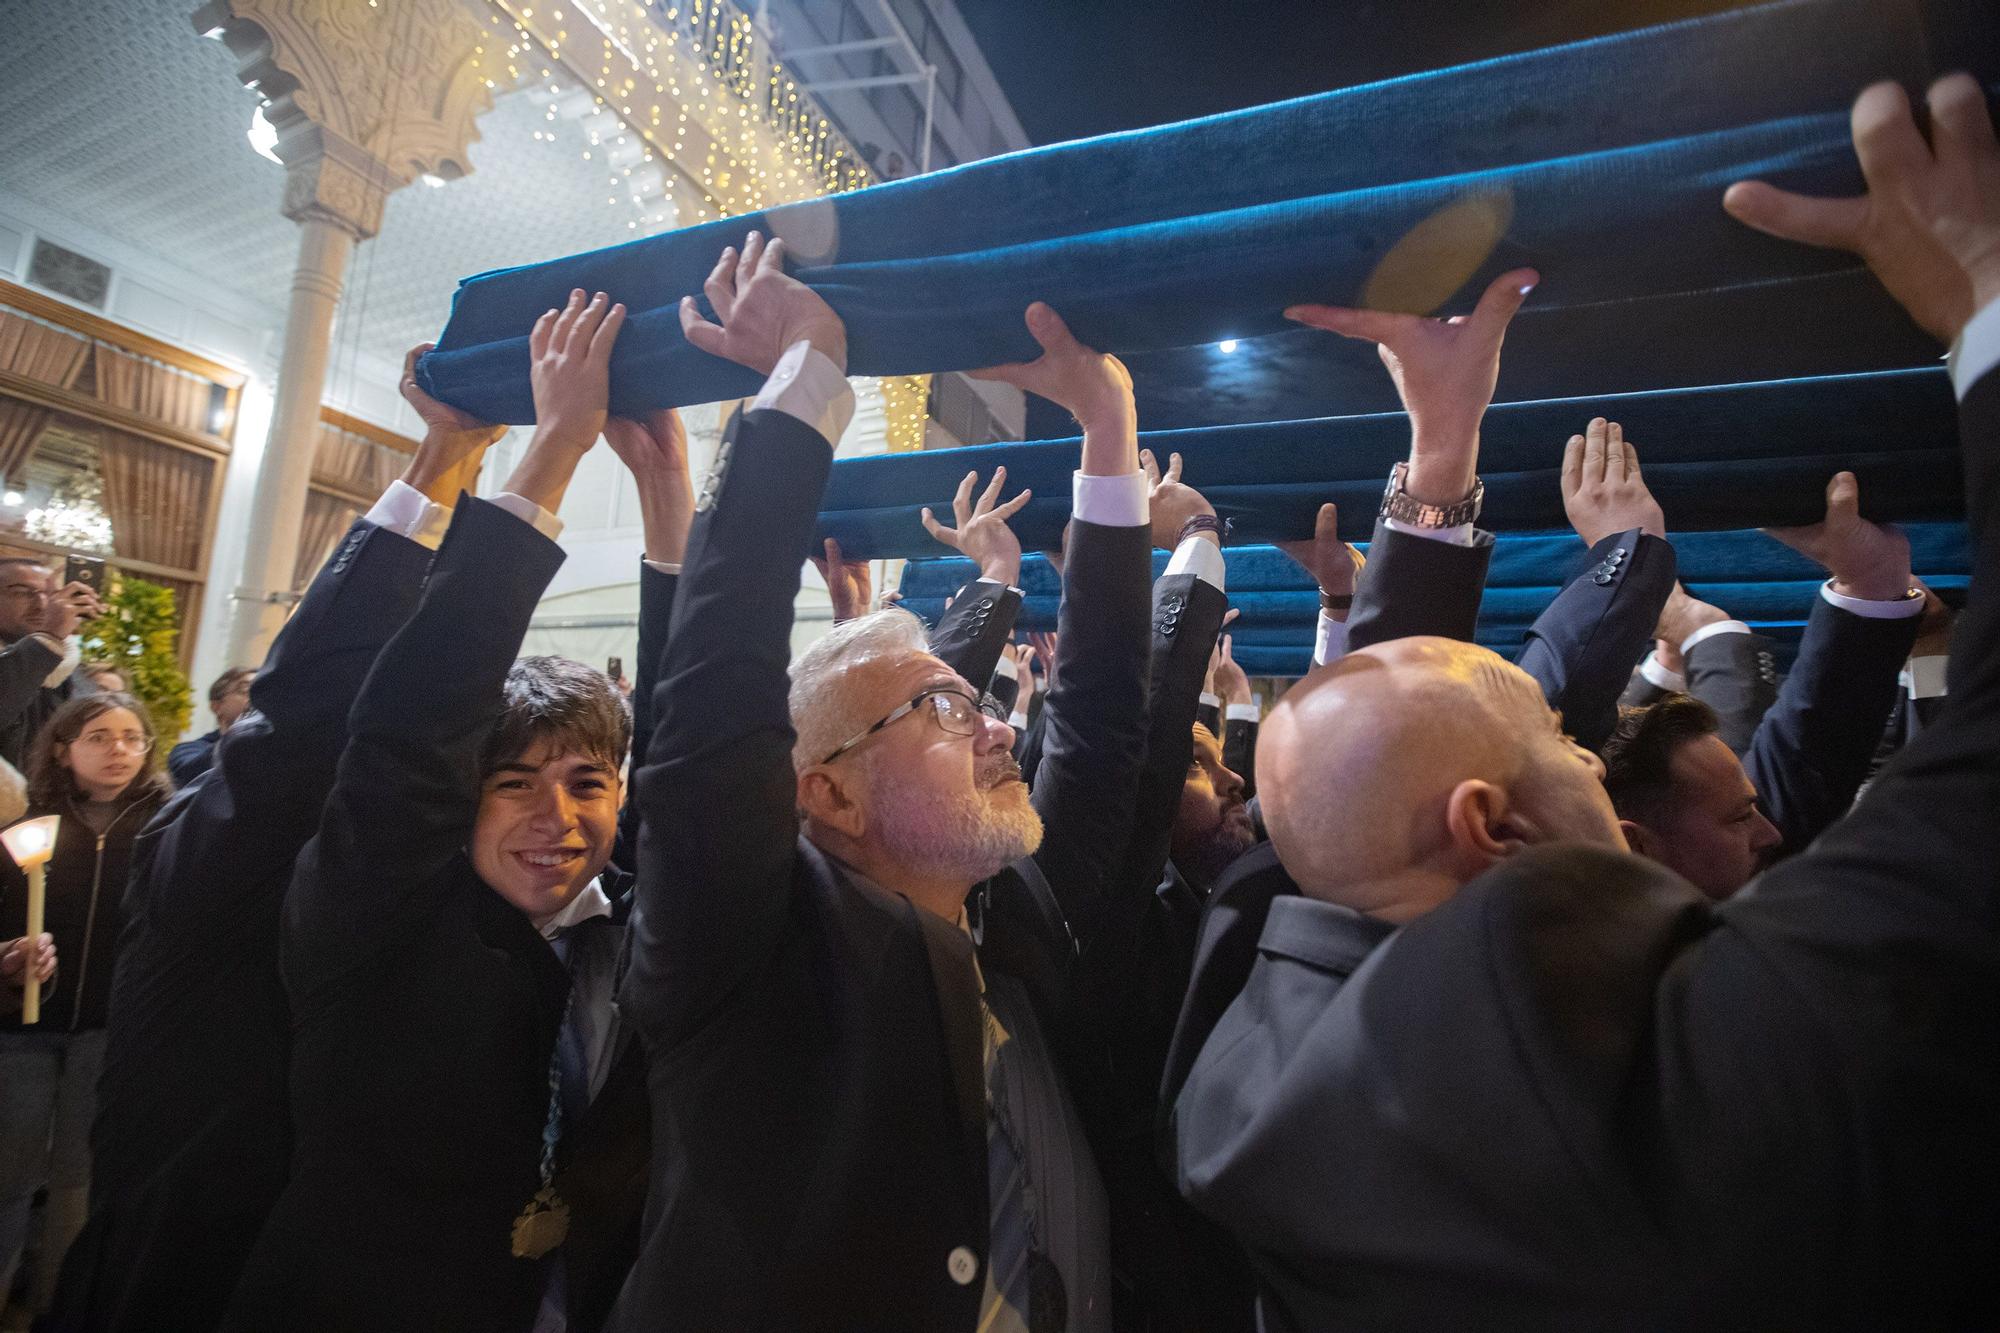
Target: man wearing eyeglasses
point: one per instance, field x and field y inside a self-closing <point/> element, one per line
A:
<point x="855" y="929"/>
<point x="37" y="668"/>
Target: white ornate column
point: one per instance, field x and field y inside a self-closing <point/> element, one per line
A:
<point x="364" y="99"/>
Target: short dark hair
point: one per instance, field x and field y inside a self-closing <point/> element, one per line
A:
<point x="1638" y="759"/>
<point x="28" y="560"/>
<point x="219" y="689"/>
<point x="575" y="708"/>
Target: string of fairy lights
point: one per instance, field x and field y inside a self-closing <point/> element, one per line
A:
<point x="682" y="94"/>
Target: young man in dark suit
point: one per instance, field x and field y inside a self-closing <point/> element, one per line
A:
<point x="449" y="938"/>
<point x="1495" y="1069"/>
<point x="860" y="1116"/>
<point x="193" y="1140"/>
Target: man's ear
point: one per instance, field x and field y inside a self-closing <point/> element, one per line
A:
<point x="825" y="800"/>
<point x="1641" y="839"/>
<point x="1476" y="816"/>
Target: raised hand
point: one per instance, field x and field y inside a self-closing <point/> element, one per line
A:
<point x="1444" y="371"/>
<point x="1683" y="614"/>
<point x="1867" y="560"/>
<point x="570" y="351"/>
<point x="1333" y="564"/>
<point x="761" y="310"/>
<point x="654" y="449"/>
<point x="1929" y="224"/>
<point x="72" y="605"/>
<point x="1173" y="502"/>
<point x="1602" y="490"/>
<point x="1232" y="682"/>
<point x="982" y="534"/>
<point x="1097" y="390"/>
<point x="848" y="583"/>
<point x="454" y="442"/>
<point x="1024" y="668"/>
<point x="1044" y="642"/>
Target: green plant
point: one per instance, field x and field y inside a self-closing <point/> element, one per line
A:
<point x="139" y="633"/>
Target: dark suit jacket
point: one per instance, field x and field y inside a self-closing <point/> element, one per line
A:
<point x="1580" y="1094"/>
<point x="192" y="1140"/>
<point x="1173" y="1268"/>
<point x="819" y="1111"/>
<point x="191" y="758"/>
<point x="424" y="1006"/>
<point x="1737" y="676"/>
<point x="25" y="703"/>
<point x="1814" y="747"/>
<point x="975" y="628"/>
<point x="1580" y="650"/>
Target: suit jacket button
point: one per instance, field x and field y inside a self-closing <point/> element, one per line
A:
<point x="1601" y="579"/>
<point x="963" y="1265"/>
<point x="1618" y="554"/>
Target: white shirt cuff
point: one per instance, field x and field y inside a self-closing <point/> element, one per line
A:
<point x="663" y="566"/>
<point x="1710" y="631"/>
<point x="408" y="512"/>
<point x="1977" y="349"/>
<point x="807" y="385"/>
<point x="1210" y="699"/>
<point x="1923" y="677"/>
<point x="1018" y="720"/>
<point x="72" y="657"/>
<point x="1458" y="534"/>
<point x="1203" y="559"/>
<point x="1005" y="667"/>
<point x="536" y="517"/>
<point x="1660" y="678"/>
<point x="1331" y="643"/>
<point x="1900" y="608"/>
<point x="1112" y="502"/>
<point x="1242" y="712"/>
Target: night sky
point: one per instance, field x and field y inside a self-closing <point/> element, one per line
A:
<point x="1074" y="68"/>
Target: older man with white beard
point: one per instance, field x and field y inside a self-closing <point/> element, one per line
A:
<point x="852" y="951"/>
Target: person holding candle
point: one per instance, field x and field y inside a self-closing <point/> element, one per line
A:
<point x="90" y="768"/>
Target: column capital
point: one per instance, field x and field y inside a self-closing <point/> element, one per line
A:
<point x="364" y="99"/>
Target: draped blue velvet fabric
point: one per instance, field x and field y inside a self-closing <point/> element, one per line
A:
<point x="1747" y="369"/>
<point x="1608" y="157"/>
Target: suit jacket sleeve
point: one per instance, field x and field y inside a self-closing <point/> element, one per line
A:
<point x="273" y="769"/>
<point x="716" y="794"/>
<point x="1581" y="649"/>
<point x="1239" y="752"/>
<point x="974" y="628"/>
<point x="1094" y="721"/>
<point x="1737" y="676"/>
<point x="656" y="615"/>
<point x="406" y="794"/>
<point x="1416" y="585"/>
<point x="1813" y="749"/>
<point x="24" y="665"/>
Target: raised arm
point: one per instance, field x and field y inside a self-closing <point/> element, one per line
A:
<point x="407" y="789"/>
<point x="716" y="791"/>
<point x="970" y="636"/>
<point x="1816" y="744"/>
<point x="654" y="450"/>
<point x="273" y="769"/>
<point x="1444" y="371"/>
<point x="1580" y="650"/>
<point x="1094" y="718"/>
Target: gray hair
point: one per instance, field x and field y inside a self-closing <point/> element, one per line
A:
<point x="824" y="707"/>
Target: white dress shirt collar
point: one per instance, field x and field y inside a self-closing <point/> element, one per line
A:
<point x="590" y="903"/>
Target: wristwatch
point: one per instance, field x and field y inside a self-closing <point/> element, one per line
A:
<point x="1398" y="504"/>
<point x="1221" y="527"/>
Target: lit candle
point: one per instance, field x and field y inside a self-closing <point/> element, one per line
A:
<point x="30" y="843"/>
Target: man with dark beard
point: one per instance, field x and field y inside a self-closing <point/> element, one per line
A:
<point x="859" y="1115"/>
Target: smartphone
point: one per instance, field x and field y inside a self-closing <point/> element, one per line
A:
<point x="615" y="668"/>
<point x="85" y="569"/>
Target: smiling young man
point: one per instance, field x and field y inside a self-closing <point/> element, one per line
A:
<point x="445" y="947"/>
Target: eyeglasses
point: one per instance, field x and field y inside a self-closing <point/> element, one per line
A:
<point x="104" y="740"/>
<point x="23" y="592"/>
<point x="956" y="712"/>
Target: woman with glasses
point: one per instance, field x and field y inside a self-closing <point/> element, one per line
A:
<point x="90" y="766"/>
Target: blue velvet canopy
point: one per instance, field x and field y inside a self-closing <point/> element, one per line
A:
<point x="1747" y="369"/>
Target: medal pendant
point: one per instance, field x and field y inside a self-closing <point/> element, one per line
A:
<point x="541" y="1225"/>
